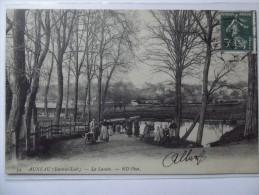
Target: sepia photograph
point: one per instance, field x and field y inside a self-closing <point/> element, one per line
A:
<point x="131" y="92"/>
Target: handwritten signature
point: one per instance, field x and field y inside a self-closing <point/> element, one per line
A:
<point x="175" y="158"/>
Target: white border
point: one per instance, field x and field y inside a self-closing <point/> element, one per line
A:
<point x="186" y="184"/>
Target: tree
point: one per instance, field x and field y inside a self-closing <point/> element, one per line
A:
<point x="121" y="94"/>
<point x="207" y="22"/>
<point x="48" y="84"/>
<point x="19" y="85"/>
<point x="102" y="47"/>
<point x="115" y="49"/>
<point x="176" y="52"/>
<point x="39" y="57"/>
<point x="106" y="35"/>
<point x="91" y="23"/>
<point x="206" y="31"/>
<point x="79" y="49"/>
<point x="8" y="91"/>
<point x="251" y="125"/>
<point x="223" y="68"/>
<point x="64" y="23"/>
<point x="68" y="85"/>
<point x="121" y="53"/>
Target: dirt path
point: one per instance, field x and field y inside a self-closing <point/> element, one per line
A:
<point x="74" y="157"/>
<point x="119" y="145"/>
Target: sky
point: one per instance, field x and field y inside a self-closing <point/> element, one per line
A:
<point x="143" y="72"/>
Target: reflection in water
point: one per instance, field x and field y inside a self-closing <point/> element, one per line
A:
<point x="211" y="132"/>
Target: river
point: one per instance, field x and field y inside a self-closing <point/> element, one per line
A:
<point x="211" y="132"/>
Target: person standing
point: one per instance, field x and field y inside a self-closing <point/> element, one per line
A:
<point x="145" y="132"/>
<point x="157" y="137"/>
<point x="129" y="128"/>
<point x="94" y="129"/>
<point x="123" y="127"/>
<point x="172" y="129"/>
<point x="166" y="131"/>
<point x="104" y="131"/>
<point x="118" y="128"/>
<point x="114" y="128"/>
<point x="92" y="125"/>
<point x="110" y="129"/>
<point x="152" y="126"/>
<point x="136" y="129"/>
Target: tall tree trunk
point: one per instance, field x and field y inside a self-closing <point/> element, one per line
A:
<point x="31" y="98"/>
<point x="77" y="74"/>
<point x="76" y="97"/>
<point x="100" y="94"/>
<point x="30" y="104"/>
<point x="47" y="87"/>
<point x="84" y="105"/>
<point x="251" y="125"/>
<point x="107" y="84"/>
<point x="185" y="136"/>
<point x="8" y="97"/>
<point x="101" y="55"/>
<point x="68" y="88"/>
<point x="62" y="45"/>
<point x="89" y="101"/>
<point x="20" y="85"/>
<point x="204" y="94"/>
<point x="38" y="61"/>
<point x="60" y="92"/>
<point x="178" y="106"/>
<point x="8" y="91"/>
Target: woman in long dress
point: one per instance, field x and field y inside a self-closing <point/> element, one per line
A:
<point x="172" y="129"/>
<point x="129" y="128"/>
<point x="136" y="129"/>
<point x="157" y="137"/>
<point x="104" y="135"/>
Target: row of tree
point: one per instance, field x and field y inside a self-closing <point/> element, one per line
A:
<point x="87" y="43"/>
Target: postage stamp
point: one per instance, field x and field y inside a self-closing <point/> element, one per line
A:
<point x="237" y="31"/>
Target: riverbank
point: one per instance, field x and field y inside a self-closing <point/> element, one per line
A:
<point x="235" y="136"/>
<point x="222" y="112"/>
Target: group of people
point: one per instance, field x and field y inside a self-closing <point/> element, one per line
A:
<point x="161" y="133"/>
<point x="96" y="131"/>
<point x="131" y="128"/>
<point x="106" y="129"/>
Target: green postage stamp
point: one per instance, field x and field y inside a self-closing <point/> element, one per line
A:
<point x="237" y="31"/>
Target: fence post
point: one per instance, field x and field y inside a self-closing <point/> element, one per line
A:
<point x="74" y="127"/>
<point x="35" y="138"/>
<point x="70" y="126"/>
<point x="77" y="127"/>
<point x="50" y="129"/>
<point x="27" y="141"/>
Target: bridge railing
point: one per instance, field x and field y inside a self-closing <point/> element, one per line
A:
<point x="48" y="131"/>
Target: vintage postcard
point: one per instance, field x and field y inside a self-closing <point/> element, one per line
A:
<point x="101" y="92"/>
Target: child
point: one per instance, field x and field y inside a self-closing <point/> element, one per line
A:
<point x="157" y="135"/>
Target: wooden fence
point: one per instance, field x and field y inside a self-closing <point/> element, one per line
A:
<point x="47" y="130"/>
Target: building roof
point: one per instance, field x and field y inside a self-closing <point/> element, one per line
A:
<point x="53" y="105"/>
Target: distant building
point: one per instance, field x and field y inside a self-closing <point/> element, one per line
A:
<point x="149" y="101"/>
<point x="134" y="103"/>
<point x="52" y="108"/>
<point x="94" y="101"/>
